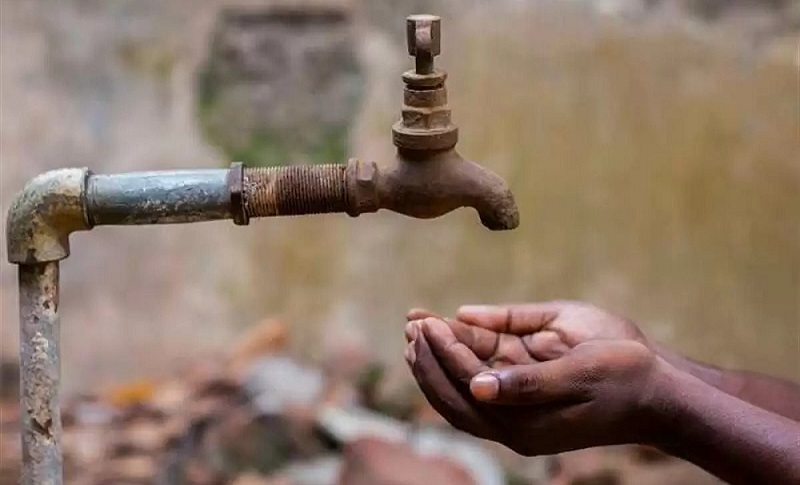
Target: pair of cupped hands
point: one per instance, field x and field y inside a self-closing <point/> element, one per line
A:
<point x="540" y="378"/>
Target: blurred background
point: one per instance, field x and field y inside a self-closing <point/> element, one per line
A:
<point x="653" y="147"/>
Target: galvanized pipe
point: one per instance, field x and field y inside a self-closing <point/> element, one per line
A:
<point x="40" y="374"/>
<point x="160" y="197"/>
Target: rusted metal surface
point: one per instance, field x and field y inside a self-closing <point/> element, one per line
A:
<point x="235" y="181"/>
<point x="362" y="187"/>
<point x="429" y="177"/>
<point x="424" y="37"/>
<point x="40" y="374"/>
<point x="295" y="190"/>
<point x="161" y="197"/>
<point x="425" y="123"/>
<point x="430" y="184"/>
<point x="43" y="215"/>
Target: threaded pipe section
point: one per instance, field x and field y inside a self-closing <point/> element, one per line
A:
<point x="295" y="190"/>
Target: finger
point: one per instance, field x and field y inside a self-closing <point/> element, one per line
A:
<point x="560" y="380"/>
<point x="442" y="394"/>
<point x="456" y="358"/>
<point x="511" y="350"/>
<point x="481" y="341"/>
<point x="412" y="330"/>
<point x="545" y="345"/>
<point x="410" y="355"/>
<point x="518" y="319"/>
<point x="420" y="313"/>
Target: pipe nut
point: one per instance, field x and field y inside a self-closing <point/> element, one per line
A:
<point x="424" y="139"/>
<point x="236" y="189"/>
<point x="362" y="187"/>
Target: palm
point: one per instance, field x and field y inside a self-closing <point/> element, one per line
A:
<point x="524" y="334"/>
<point x="577" y="323"/>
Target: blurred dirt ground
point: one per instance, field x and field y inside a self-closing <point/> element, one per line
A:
<point x="262" y="417"/>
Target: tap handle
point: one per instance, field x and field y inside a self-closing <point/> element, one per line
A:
<point x="424" y="37"/>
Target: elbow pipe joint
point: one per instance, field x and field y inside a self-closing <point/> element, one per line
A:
<point x="49" y="208"/>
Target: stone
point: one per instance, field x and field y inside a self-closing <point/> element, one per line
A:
<point x="461" y="449"/>
<point x="349" y="425"/>
<point x="275" y="383"/>
<point x="323" y="470"/>
<point x="371" y="461"/>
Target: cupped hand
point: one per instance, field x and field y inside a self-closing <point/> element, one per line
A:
<point x="597" y="392"/>
<point x="503" y="335"/>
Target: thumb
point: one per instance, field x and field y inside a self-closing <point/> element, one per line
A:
<point x="554" y="380"/>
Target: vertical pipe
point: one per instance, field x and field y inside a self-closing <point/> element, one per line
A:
<point x="40" y="374"/>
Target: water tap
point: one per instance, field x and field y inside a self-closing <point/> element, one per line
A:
<point x="427" y="178"/>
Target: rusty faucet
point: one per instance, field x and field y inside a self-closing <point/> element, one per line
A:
<point x="427" y="179"/>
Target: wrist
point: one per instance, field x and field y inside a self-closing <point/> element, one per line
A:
<point x="660" y="406"/>
<point x="706" y="373"/>
<point x="673" y="358"/>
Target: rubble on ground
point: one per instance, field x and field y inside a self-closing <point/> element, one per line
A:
<point x="266" y="418"/>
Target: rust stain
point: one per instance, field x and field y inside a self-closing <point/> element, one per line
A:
<point x="41" y="389"/>
<point x="43" y="214"/>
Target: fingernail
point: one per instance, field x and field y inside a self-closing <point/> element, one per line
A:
<point x="481" y="310"/>
<point x="412" y="330"/>
<point x="429" y="321"/>
<point x="485" y="387"/>
<point x="409" y="354"/>
<point x="433" y="327"/>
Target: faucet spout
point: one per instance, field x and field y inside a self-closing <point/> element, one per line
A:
<point x="425" y="185"/>
<point x="429" y="177"/>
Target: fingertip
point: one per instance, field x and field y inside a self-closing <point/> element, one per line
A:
<point x="485" y="386"/>
<point x="410" y="354"/>
<point x="412" y="330"/>
<point x="433" y="328"/>
<point x="414" y="313"/>
<point x="418" y="313"/>
<point x="419" y="343"/>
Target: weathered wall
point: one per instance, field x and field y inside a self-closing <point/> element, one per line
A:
<point x="656" y="173"/>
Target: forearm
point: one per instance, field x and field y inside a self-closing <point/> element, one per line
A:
<point x="735" y="440"/>
<point x="775" y="395"/>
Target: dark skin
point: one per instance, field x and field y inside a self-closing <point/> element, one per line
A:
<point x="559" y="376"/>
<point x="549" y="329"/>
